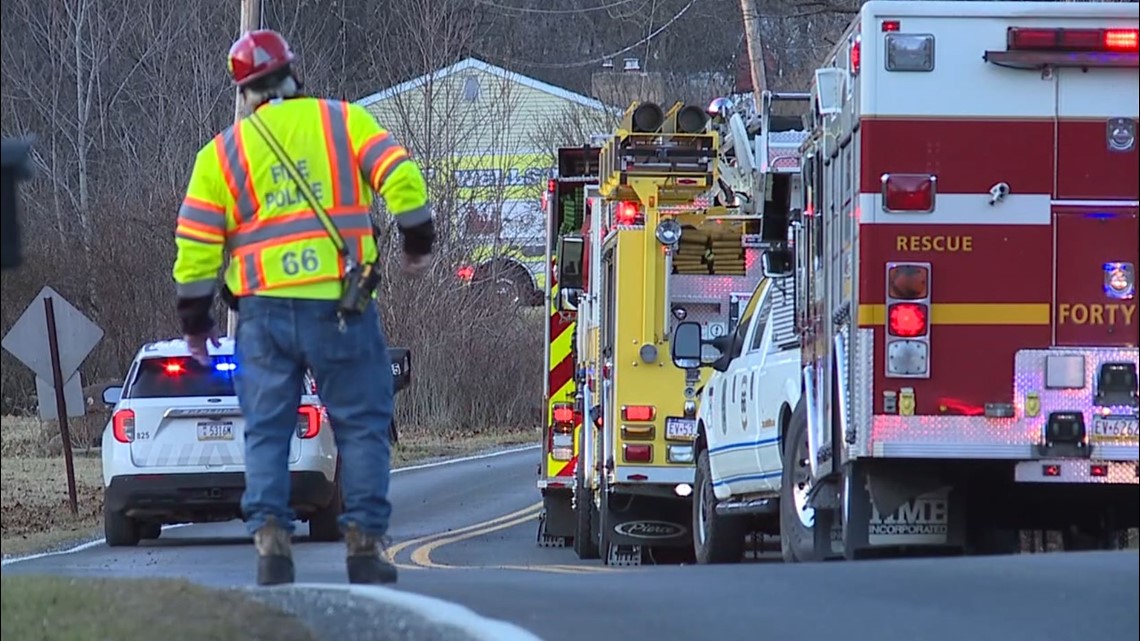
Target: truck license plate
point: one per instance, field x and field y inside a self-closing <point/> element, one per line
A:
<point x="215" y="431"/>
<point x="680" y="428"/>
<point x="1114" y="429"/>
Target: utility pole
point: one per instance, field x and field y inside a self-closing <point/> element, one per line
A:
<point x="250" y="20"/>
<point x="751" y="15"/>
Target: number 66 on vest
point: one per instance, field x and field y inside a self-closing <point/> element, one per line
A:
<point x="308" y="262"/>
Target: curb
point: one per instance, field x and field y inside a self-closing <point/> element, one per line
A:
<point x="435" y="611"/>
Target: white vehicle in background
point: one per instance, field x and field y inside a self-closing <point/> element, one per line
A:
<point x="174" y="451"/>
<point x="743" y="414"/>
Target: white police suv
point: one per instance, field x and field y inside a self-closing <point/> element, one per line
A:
<point x="173" y="451"/>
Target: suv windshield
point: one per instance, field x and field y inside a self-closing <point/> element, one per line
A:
<point x="182" y="377"/>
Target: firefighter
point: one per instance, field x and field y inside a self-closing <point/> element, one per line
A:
<point x="265" y="192"/>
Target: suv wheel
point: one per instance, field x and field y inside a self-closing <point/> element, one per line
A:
<point x="150" y="530"/>
<point x="323" y="524"/>
<point x="119" y="529"/>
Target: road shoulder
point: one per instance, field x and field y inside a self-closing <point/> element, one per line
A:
<point x="374" y="613"/>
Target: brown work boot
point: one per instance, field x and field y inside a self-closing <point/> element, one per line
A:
<point x="367" y="560"/>
<point x="274" y="554"/>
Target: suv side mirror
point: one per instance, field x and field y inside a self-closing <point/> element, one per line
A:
<point x="571" y="256"/>
<point x="401" y="367"/>
<point x="776" y="263"/>
<point x="111" y="395"/>
<point x="685" y="348"/>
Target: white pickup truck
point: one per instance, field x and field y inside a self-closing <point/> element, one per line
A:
<point x="743" y="413"/>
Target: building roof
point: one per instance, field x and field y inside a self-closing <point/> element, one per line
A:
<point x="479" y="65"/>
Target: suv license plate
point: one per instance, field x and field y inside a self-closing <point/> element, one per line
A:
<point x="1114" y="429"/>
<point x="680" y="429"/>
<point x="215" y="431"/>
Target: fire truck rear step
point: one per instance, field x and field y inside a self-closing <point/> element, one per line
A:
<point x="748" y="507"/>
<point x="624" y="555"/>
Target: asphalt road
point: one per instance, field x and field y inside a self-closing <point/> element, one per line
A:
<point x="473" y="525"/>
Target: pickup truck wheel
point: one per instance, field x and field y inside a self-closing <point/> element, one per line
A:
<point x="798" y="539"/>
<point x="716" y="539"/>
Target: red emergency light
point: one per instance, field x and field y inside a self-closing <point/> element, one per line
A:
<point x="891" y="25"/>
<point x="856" y="55"/>
<point x="173" y="368"/>
<point x="907" y="319"/>
<point x="563" y="413"/>
<point x="1102" y="40"/>
<point x="908" y="192"/>
<point x="627" y="213"/>
<point x="638" y="413"/>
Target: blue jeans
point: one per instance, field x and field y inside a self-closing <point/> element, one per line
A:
<point x="277" y="340"/>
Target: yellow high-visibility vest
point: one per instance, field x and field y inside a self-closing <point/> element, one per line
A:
<point x="241" y="200"/>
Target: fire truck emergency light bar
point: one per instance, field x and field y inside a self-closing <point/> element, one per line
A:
<point x="1035" y="48"/>
<point x="1106" y="40"/>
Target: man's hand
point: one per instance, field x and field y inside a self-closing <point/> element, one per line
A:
<point x="197" y="345"/>
<point x="416" y="265"/>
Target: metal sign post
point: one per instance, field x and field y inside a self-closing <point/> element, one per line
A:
<point x="52" y="338"/>
<point x="60" y="403"/>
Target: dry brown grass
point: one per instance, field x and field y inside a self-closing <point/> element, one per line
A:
<point x="43" y="608"/>
<point x="36" y="515"/>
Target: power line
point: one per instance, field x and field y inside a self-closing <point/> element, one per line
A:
<point x="504" y="7"/>
<point x="593" y="61"/>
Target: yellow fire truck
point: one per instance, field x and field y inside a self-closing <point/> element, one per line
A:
<point x="653" y="251"/>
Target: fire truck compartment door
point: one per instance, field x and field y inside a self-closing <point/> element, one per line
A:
<point x="1096" y="256"/>
<point x="1097" y="131"/>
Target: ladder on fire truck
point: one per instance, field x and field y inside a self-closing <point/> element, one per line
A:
<point x="757" y="146"/>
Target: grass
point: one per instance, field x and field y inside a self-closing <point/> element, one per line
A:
<point x="35" y="510"/>
<point x="37" y="608"/>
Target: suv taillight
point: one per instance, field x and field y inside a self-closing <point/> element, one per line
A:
<point x="308" y="421"/>
<point x="123" y="426"/>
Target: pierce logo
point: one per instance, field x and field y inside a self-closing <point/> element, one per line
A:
<point x="650" y="529"/>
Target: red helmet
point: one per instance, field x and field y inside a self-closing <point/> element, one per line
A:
<point x="257" y="54"/>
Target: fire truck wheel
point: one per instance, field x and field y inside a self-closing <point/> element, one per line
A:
<point x="716" y="539"/>
<point x="1079" y="539"/>
<point x="512" y="285"/>
<point x="798" y="540"/>
<point x="584" y="544"/>
<point x="603" y="525"/>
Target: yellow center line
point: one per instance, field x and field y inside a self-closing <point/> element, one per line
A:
<point x="422" y="555"/>
<point x="424" y="546"/>
<point x="399" y="547"/>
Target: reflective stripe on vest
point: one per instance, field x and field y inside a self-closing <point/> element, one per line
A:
<point x="271" y="250"/>
<point x="235" y="167"/>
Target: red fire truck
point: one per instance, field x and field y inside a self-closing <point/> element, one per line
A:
<point x="965" y="279"/>
<point x="566" y="213"/>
